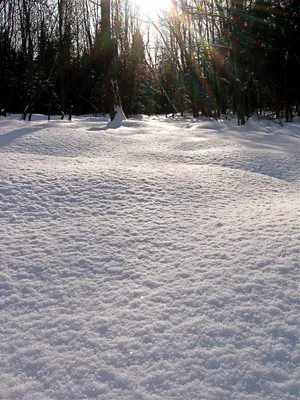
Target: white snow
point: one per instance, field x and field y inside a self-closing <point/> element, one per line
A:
<point x="118" y="119"/>
<point x="159" y="260"/>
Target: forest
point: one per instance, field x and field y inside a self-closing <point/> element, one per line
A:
<point x="215" y="58"/>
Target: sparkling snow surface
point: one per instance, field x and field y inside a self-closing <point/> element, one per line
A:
<point x="155" y="261"/>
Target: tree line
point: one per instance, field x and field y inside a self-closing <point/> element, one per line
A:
<point x="208" y="57"/>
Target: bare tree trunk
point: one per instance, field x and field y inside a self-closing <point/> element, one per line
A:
<point x="108" y="54"/>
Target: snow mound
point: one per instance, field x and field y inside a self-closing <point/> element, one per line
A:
<point x="118" y="119"/>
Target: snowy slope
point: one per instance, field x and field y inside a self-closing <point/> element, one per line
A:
<point x="157" y="261"/>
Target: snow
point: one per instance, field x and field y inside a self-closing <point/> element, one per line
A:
<point x="118" y="119"/>
<point x="159" y="260"/>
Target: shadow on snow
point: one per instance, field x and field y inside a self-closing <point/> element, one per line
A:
<point x="13" y="135"/>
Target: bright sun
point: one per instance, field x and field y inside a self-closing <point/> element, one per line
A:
<point x="151" y="8"/>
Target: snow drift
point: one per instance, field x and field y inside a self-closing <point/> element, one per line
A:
<point x="156" y="261"/>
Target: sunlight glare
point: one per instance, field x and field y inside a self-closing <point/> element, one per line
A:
<point x="153" y="8"/>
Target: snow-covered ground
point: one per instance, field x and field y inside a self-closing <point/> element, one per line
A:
<point x="157" y="261"/>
